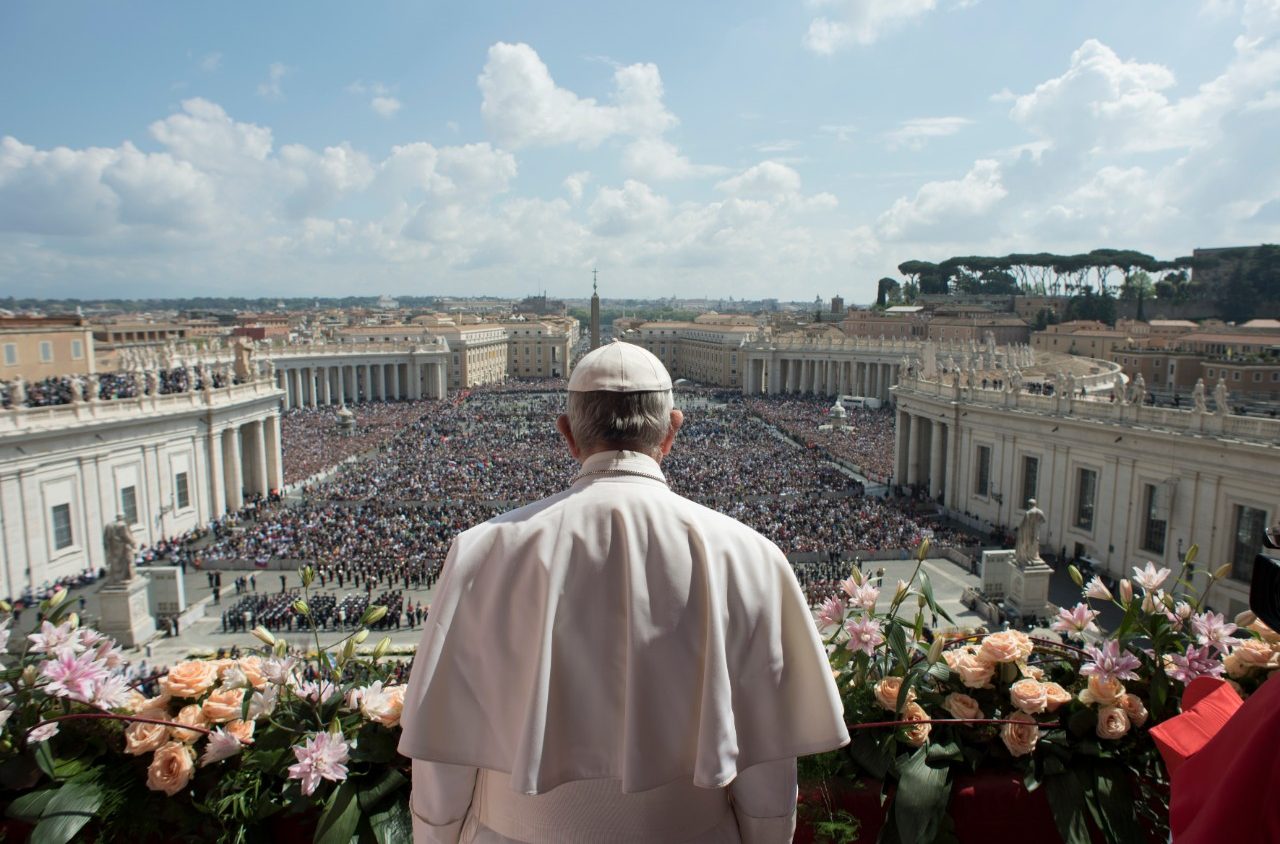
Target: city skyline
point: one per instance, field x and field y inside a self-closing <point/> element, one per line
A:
<point x="780" y="150"/>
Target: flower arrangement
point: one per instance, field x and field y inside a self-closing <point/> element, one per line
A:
<point x="225" y="750"/>
<point x="1068" y="710"/>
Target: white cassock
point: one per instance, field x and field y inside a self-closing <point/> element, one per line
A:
<point x="615" y="663"/>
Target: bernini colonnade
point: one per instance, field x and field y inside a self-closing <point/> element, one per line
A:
<point x="336" y="374"/>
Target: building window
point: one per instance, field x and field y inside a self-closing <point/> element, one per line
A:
<point x="1153" y="527"/>
<point x="181" y="491"/>
<point x="982" y="485"/>
<point x="1030" y="479"/>
<point x="77" y="349"/>
<point x="61" y="526"/>
<point x="1235" y="376"/>
<point x="129" y="504"/>
<point x="46" y="351"/>
<point x="1086" y="493"/>
<point x="1250" y="522"/>
<point x="10" y="354"/>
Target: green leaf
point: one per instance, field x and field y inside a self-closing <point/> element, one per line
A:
<point x="30" y="806"/>
<point x="390" y="781"/>
<point x="921" y="801"/>
<point x="394" y="825"/>
<point x="341" y="816"/>
<point x="940" y="672"/>
<point x="943" y="751"/>
<point x="67" y="812"/>
<point x="898" y="643"/>
<point x="867" y="752"/>
<point x="1066" y="800"/>
<point x="1115" y="802"/>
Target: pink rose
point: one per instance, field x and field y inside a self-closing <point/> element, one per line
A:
<point x="917" y="734"/>
<point x="252" y="668"/>
<point x="1132" y="706"/>
<point x="1103" y="693"/>
<point x="189" y="679"/>
<point x="1020" y="737"/>
<point x="1029" y="696"/>
<point x="974" y="672"/>
<point x="887" y="691"/>
<point x="223" y="705"/>
<point x="1268" y="635"/>
<point x="190" y="716"/>
<point x="1113" y="724"/>
<point x="242" y="730"/>
<point x="170" y="769"/>
<point x="141" y="737"/>
<point x="962" y="706"/>
<point x="1006" y="646"/>
<point x="1055" y="696"/>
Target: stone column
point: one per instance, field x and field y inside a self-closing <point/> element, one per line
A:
<point x="935" y="459"/>
<point x="295" y="375"/>
<point x="953" y="464"/>
<point x="343" y="398"/>
<point x="217" y="491"/>
<point x="325" y="389"/>
<point x="275" y="458"/>
<point x="913" y="457"/>
<point x="368" y="382"/>
<point x="775" y="375"/>
<point x="395" y="381"/>
<point x="902" y="447"/>
<point x="232" y="468"/>
<point x="256" y="446"/>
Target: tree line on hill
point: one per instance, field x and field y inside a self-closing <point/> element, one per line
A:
<point x="1241" y="283"/>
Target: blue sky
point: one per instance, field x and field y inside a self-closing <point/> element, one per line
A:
<point x="747" y="149"/>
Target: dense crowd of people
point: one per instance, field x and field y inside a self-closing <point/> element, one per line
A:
<point x="313" y="441"/>
<point x="866" y="441"/>
<point x="107" y="386"/>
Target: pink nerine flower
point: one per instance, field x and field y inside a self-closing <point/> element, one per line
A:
<point x="1215" y="631"/>
<point x="864" y="634"/>
<point x="44" y="732"/>
<point x="324" y="756"/>
<point x="1149" y="578"/>
<point x="51" y="639"/>
<point x="830" y="614"/>
<point x="1197" y="662"/>
<point x="864" y="595"/>
<point x="1077" y="622"/>
<point x="223" y="745"/>
<point x="1096" y="589"/>
<point x="1109" y="662"/>
<point x="73" y="676"/>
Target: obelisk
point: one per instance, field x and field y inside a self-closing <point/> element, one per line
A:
<point x="595" y="313"/>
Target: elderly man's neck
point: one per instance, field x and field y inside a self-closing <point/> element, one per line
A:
<point x="649" y="451"/>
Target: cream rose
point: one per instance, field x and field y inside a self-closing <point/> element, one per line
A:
<point x="1029" y="696"/>
<point x="887" y="691"/>
<point x="973" y="671"/>
<point x="242" y="730"/>
<point x="189" y="679"/>
<point x="1133" y="707"/>
<point x="1055" y="696"/>
<point x="384" y="707"/>
<point x="1021" y="737"/>
<point x="189" y="716"/>
<point x="251" y="666"/>
<point x="223" y="705"/>
<point x="1268" y="635"/>
<point x="917" y="734"/>
<point x="961" y="706"/>
<point x="1108" y="693"/>
<point x="1006" y="646"/>
<point x="1254" y="653"/>
<point x="170" y="768"/>
<point x="1113" y="724"/>
<point x="134" y="702"/>
<point x="141" y="737"/>
<point x="1032" y="671"/>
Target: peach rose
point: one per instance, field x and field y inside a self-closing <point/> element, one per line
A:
<point x="974" y="672"/>
<point x="189" y="716"/>
<point x="1055" y="696"/>
<point x="1006" y="646"/>
<point x="170" y="768"/>
<point x="1020" y="737"/>
<point x="159" y="703"/>
<point x="242" y="730"/>
<point x="385" y="707"/>
<point x="1254" y="653"/>
<point x="223" y="705"/>
<point x="1029" y="696"/>
<point x="1113" y="724"/>
<point x="1109" y="693"/>
<point x="887" y="691"/>
<point x="189" y="679"/>
<point x="1133" y="707"/>
<point x="962" y="706"/>
<point x="1268" y="635"/>
<point x="251" y="666"/>
<point x="141" y="737"/>
<point x="917" y="734"/>
<point x="1032" y="671"/>
<point x="133" y="701"/>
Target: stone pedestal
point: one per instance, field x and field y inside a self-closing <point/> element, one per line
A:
<point x="167" y="590"/>
<point x="1029" y="589"/>
<point x="997" y="572"/>
<point x="126" y="615"/>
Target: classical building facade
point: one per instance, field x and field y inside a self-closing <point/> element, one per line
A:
<point x="707" y="350"/>
<point x="44" y="347"/>
<point x="167" y="463"/>
<point x="348" y="372"/>
<point x="1120" y="483"/>
<point x="540" y="348"/>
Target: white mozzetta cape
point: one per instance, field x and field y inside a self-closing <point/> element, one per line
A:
<point x="617" y="630"/>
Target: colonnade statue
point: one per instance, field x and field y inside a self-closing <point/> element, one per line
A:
<point x="1026" y="548"/>
<point x="121" y="546"/>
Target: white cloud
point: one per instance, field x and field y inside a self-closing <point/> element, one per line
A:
<point x="943" y="205"/>
<point x="275" y="75"/>
<point x="768" y="179"/>
<point x="654" y="159"/>
<point x="860" y="22"/>
<point x="211" y="62"/>
<point x="842" y="132"/>
<point x="784" y="145"/>
<point x="385" y="106"/>
<point x="574" y="184"/>
<point x="204" y="135"/>
<point x="915" y="133"/>
<point x="523" y="106"/>
<point x="634" y="207"/>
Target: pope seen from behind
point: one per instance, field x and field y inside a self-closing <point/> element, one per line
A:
<point x="615" y="663"/>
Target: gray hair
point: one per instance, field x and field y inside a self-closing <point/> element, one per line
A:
<point x="635" y="421"/>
